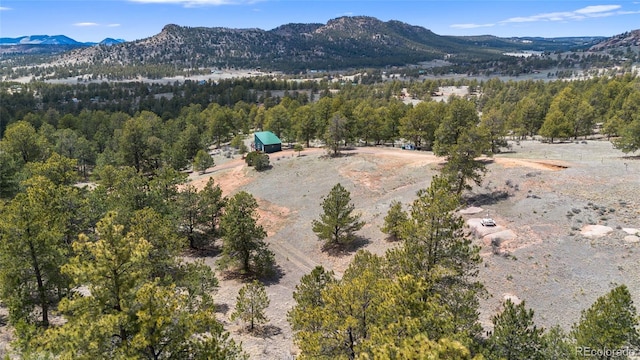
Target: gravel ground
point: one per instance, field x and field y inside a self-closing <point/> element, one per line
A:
<point x="543" y="258"/>
<point x="553" y="191"/>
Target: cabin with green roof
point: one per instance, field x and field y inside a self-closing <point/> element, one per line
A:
<point x="267" y="142"/>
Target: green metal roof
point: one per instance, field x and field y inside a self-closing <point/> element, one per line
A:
<point x="267" y="138"/>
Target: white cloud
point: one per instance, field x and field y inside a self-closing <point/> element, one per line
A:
<point x="194" y="3"/>
<point x="85" y="24"/>
<point x="592" y="11"/>
<point x="113" y="25"/>
<point x="587" y="12"/>
<point x="471" y="26"/>
<point x="597" y="9"/>
<point x="4" y="8"/>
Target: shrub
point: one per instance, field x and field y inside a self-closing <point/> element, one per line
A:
<point x="251" y="157"/>
<point x="261" y="162"/>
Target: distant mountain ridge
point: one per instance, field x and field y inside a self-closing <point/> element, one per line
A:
<point x="344" y="42"/>
<point x="52" y="40"/>
<point x="341" y="43"/>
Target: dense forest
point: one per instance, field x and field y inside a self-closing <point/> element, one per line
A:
<point x="96" y="213"/>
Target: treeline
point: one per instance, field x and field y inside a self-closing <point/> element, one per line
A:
<point x="108" y="259"/>
<point x="344" y="55"/>
<point x="166" y="100"/>
<point x="158" y="131"/>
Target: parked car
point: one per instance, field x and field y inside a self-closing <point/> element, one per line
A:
<point x="488" y="222"/>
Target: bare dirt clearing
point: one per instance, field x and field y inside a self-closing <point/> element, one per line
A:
<point x="537" y="252"/>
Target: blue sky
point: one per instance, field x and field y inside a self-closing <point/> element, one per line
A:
<point x="91" y="20"/>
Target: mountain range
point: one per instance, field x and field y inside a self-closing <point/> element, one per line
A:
<point x="344" y="42"/>
<point x="53" y="40"/>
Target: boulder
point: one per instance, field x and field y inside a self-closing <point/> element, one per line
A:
<point x="595" y="231"/>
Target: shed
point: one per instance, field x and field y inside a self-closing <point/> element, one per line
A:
<point x="267" y="142"/>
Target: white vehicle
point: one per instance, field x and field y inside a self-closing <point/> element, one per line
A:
<point x="488" y="222"/>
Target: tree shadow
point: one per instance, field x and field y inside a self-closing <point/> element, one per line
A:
<point x="271" y="278"/>
<point x="336" y="156"/>
<point x="631" y="157"/>
<point x="392" y="238"/>
<point x="208" y="250"/>
<point x="274" y="278"/>
<point x="221" y="308"/>
<point x="265" y="168"/>
<point x="340" y="250"/>
<point x="486" y="198"/>
<point x="262" y="331"/>
<point x="267" y="331"/>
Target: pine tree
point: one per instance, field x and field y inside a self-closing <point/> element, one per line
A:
<point x="337" y="225"/>
<point x="336" y="132"/>
<point x="436" y="247"/>
<point x="32" y="250"/>
<point x="394" y="221"/>
<point x="515" y="336"/>
<point x="610" y="323"/>
<point x="119" y="309"/>
<point x="251" y="303"/>
<point x="304" y="316"/>
<point x="243" y="244"/>
<point x="202" y="161"/>
<point x="211" y="204"/>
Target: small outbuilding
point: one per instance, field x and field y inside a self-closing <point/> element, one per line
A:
<point x="267" y="142"/>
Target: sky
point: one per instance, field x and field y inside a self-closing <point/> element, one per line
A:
<point x="95" y="20"/>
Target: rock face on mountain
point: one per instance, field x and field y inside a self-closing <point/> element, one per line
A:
<point x="628" y="39"/>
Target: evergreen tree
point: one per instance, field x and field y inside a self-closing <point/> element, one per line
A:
<point x="629" y="140"/>
<point x="337" y="224"/>
<point x="562" y="115"/>
<point x="8" y="175"/>
<point x="211" y="204"/>
<point x="21" y="141"/>
<point x="420" y="347"/>
<point x="394" y="221"/>
<point x="261" y="162"/>
<point x="190" y="214"/>
<point x="118" y="311"/>
<point x="611" y="323"/>
<point x="32" y="250"/>
<point x="459" y="138"/>
<point x="336" y="132"/>
<point x="251" y="303"/>
<point x="462" y="164"/>
<point x="243" y="246"/>
<point x="202" y="161"/>
<point x="557" y="345"/>
<point x="515" y="336"/>
<point x="436" y="247"/>
<point x="305" y="317"/>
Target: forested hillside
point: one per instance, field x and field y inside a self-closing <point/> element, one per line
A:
<point x="97" y="215"/>
<point x="341" y="44"/>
